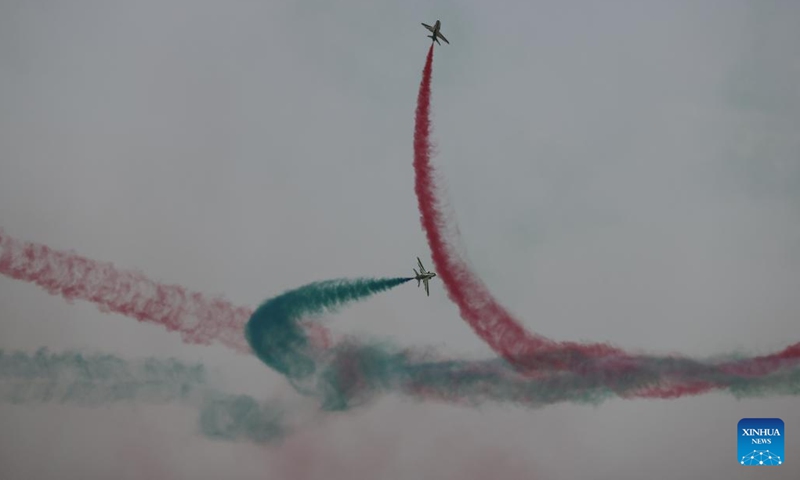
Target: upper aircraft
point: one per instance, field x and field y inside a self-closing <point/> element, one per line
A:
<point x="423" y="275"/>
<point x="436" y="35"/>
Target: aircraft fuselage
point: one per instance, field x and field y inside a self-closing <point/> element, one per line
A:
<point x="424" y="276"/>
<point x="435" y="33"/>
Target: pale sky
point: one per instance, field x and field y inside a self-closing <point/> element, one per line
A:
<point x="624" y="172"/>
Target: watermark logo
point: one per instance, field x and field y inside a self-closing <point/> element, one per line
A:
<point x="761" y="442"/>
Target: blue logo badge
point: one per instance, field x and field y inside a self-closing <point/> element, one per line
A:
<point x="761" y="442"/>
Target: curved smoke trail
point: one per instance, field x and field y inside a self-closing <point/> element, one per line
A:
<point x="532" y="353"/>
<point x="485" y="315"/>
<point x="273" y="330"/>
<point x="351" y="373"/>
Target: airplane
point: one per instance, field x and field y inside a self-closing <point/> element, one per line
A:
<point x="423" y="276"/>
<point x="436" y="35"/>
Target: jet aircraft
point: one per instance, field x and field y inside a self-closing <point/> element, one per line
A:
<point x="423" y="276"/>
<point x="436" y="34"/>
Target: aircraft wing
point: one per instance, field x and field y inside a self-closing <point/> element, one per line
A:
<point x="427" y="290"/>
<point x="442" y="37"/>
<point x="428" y="27"/>
<point x="421" y="268"/>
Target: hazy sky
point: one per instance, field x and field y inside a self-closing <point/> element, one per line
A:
<point x="624" y="172"/>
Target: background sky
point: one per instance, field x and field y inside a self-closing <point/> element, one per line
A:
<point x="625" y="172"/>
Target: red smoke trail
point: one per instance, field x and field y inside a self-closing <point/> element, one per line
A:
<point x="497" y="327"/>
<point x="199" y="319"/>
<point x="487" y="317"/>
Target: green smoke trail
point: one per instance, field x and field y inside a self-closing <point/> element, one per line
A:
<point x="352" y="373"/>
<point x="349" y="375"/>
<point x="97" y="379"/>
<point x="91" y="380"/>
<point x="273" y="331"/>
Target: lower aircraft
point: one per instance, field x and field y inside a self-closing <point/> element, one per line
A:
<point x="436" y="34"/>
<point x="423" y="276"/>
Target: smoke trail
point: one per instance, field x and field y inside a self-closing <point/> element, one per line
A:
<point x="351" y="373"/>
<point x="486" y="316"/>
<point x="346" y="377"/>
<point x="199" y="319"/>
<point x="496" y="326"/>
<point x="94" y="380"/>
<point x="275" y="335"/>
